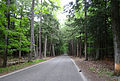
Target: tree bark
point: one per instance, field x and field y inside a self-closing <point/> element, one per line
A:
<point x="72" y="48"/>
<point x="86" y="55"/>
<point x="40" y="34"/>
<point x="53" y="50"/>
<point x="20" y="36"/>
<point x="37" y="41"/>
<point x="116" y="33"/>
<point x="45" y="46"/>
<point x="6" y="36"/>
<point x="32" y="32"/>
<point x="80" y="46"/>
<point x="40" y="54"/>
<point x="77" y="48"/>
<point x="97" y="53"/>
<point x="34" y="51"/>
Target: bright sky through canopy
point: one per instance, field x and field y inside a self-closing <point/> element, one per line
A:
<point x="62" y="16"/>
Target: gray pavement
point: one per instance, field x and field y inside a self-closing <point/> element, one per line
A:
<point x="59" y="69"/>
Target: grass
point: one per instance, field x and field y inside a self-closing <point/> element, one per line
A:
<point x="92" y="69"/>
<point x="19" y="66"/>
<point x="110" y="74"/>
<point x="102" y="72"/>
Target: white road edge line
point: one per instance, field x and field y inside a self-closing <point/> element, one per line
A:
<point x="25" y="68"/>
<point x="82" y="75"/>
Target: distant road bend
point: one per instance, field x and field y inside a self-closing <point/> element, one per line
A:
<point x="58" y="69"/>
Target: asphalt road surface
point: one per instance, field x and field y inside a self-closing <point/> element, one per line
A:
<point x="60" y="68"/>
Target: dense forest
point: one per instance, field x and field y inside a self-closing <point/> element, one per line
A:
<point x="30" y="29"/>
<point x="93" y="30"/>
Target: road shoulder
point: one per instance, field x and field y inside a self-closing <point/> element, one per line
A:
<point x="90" y="72"/>
<point x="79" y="70"/>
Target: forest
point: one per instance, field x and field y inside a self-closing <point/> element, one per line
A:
<point x="30" y="29"/>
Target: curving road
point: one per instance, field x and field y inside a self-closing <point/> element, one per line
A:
<point x="60" y="68"/>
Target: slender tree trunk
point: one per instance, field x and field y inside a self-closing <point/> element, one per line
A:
<point x="80" y="46"/>
<point x="50" y="49"/>
<point x="86" y="55"/>
<point x="6" y="36"/>
<point x="45" y="46"/>
<point x="77" y="48"/>
<point x="106" y="33"/>
<point x="40" y="54"/>
<point x="72" y="50"/>
<point x="34" y="51"/>
<point x="20" y="36"/>
<point x="116" y="33"/>
<point x="53" y="50"/>
<point x="51" y="46"/>
<point x="97" y="54"/>
<point x="37" y="41"/>
<point x="97" y="49"/>
<point x="70" y="47"/>
<point x="40" y="35"/>
<point x="32" y="33"/>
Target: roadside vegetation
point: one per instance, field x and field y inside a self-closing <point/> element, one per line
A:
<point x="15" y="67"/>
<point x="30" y="30"/>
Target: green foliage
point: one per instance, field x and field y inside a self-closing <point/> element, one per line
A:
<point x="14" y="32"/>
<point x="20" y="66"/>
<point x="92" y="69"/>
<point x="97" y="25"/>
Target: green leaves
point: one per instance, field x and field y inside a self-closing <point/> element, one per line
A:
<point x="79" y="14"/>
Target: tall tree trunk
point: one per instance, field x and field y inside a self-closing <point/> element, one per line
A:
<point x="51" y="46"/>
<point x="116" y="33"/>
<point x="6" y="36"/>
<point x="97" y="54"/>
<point x="77" y="48"/>
<point x="20" y="36"/>
<point x="53" y="50"/>
<point x="32" y="32"/>
<point x="40" y="54"/>
<point x="86" y="55"/>
<point x="37" y="42"/>
<point x="34" y="51"/>
<point x="80" y="46"/>
<point x="49" y="49"/>
<point x="97" y="45"/>
<point x="106" y="33"/>
<point x="72" y="48"/>
<point x="45" y="46"/>
<point x="40" y="35"/>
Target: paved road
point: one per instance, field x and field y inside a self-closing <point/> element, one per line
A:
<point x="58" y="69"/>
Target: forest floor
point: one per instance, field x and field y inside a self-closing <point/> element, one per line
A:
<point x="13" y="65"/>
<point x="96" y="70"/>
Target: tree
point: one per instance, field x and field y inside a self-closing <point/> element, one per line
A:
<point x="21" y="13"/>
<point x="40" y="34"/>
<point x="17" y="32"/>
<point x="116" y="33"/>
<point x="6" y="36"/>
<point x="86" y="55"/>
<point x="45" y="46"/>
<point x="32" y="32"/>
